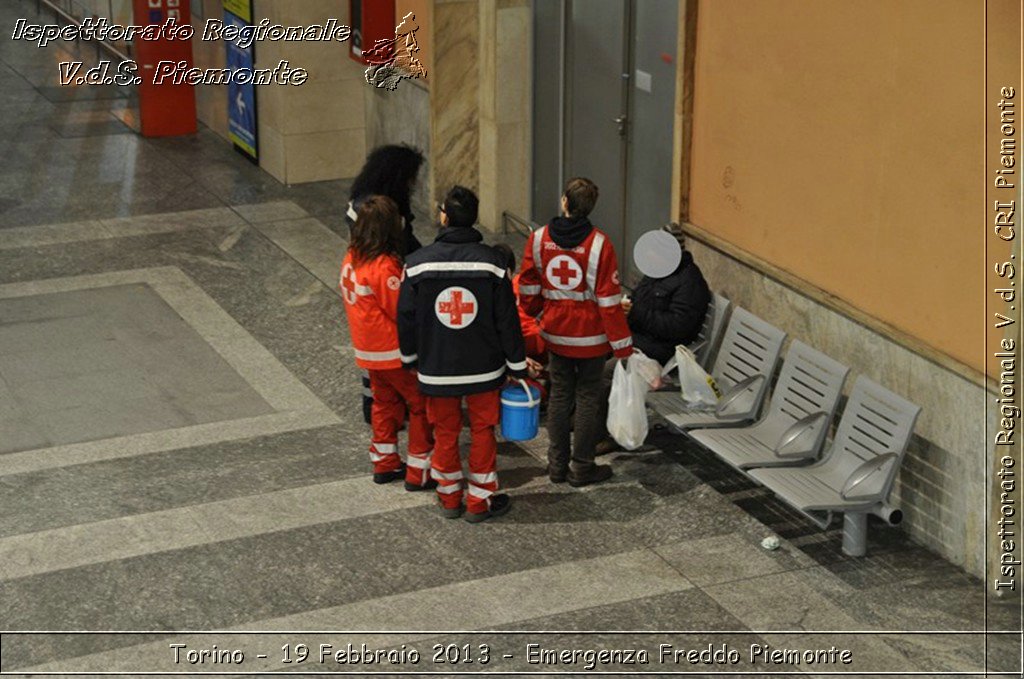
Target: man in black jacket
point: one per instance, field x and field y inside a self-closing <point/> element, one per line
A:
<point x="662" y="313"/>
<point x="459" y="326"/>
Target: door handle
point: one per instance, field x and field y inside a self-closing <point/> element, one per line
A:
<point x="621" y="122"/>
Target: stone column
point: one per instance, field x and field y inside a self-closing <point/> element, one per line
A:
<point x="315" y="131"/>
<point x="454" y="96"/>
<point x="402" y="116"/>
<point x="480" y="103"/>
<point x="211" y="100"/>
<point x="505" y="98"/>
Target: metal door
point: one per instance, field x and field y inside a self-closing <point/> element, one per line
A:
<point x="548" y="107"/>
<point x="595" y="121"/>
<point x="603" y="108"/>
<point x="579" y="105"/>
<point x="652" y="94"/>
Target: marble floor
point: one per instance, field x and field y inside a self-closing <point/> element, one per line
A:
<point x="183" y="462"/>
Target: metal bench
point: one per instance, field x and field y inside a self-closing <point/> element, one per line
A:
<point x="711" y="330"/>
<point x="743" y="367"/>
<point x="856" y="475"/>
<point x="793" y="432"/>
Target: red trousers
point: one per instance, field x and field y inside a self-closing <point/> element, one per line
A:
<point x="394" y="391"/>
<point x="446" y="416"/>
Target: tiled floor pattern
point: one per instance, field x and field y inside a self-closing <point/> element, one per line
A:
<point x="284" y="531"/>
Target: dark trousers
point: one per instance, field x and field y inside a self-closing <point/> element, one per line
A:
<point x="574" y="381"/>
<point x="607" y="373"/>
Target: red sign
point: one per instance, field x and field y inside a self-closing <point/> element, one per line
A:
<point x="372" y="21"/>
<point x="166" y="109"/>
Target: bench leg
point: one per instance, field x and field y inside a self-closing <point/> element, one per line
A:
<point x="855" y="533"/>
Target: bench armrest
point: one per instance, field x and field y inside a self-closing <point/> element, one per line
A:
<point x="803" y="437"/>
<point x="733" y="403"/>
<point x="869" y="482"/>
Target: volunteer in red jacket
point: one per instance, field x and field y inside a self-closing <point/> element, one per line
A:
<point x="458" y="324"/>
<point x="570" y="281"/>
<point x="371" y="277"/>
<point x="535" y="351"/>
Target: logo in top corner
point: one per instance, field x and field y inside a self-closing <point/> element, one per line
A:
<point x="393" y="60"/>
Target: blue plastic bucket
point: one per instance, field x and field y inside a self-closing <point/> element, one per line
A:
<point x="520" y="412"/>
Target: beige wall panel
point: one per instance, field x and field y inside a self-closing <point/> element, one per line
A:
<point x="842" y="142"/>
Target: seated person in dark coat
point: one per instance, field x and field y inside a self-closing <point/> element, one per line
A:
<point x="664" y="312"/>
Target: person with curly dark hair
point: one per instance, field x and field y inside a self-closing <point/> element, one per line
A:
<point x="390" y="171"/>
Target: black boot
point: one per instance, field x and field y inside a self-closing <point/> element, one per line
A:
<point x="500" y="504"/>
<point x="431" y="484"/>
<point x="388" y="477"/>
<point x="593" y="474"/>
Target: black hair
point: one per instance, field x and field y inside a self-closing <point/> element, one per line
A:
<point x="507" y="256"/>
<point x="462" y="206"/>
<point x="389" y="171"/>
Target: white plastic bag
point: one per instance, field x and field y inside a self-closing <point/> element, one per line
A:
<point x="646" y="367"/>
<point x="627" y="412"/>
<point x="699" y="388"/>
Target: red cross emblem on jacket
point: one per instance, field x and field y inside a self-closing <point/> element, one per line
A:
<point x="456" y="307"/>
<point x="564" y="272"/>
<point x="348" y="283"/>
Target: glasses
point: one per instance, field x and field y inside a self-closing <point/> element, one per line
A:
<point x="440" y="208"/>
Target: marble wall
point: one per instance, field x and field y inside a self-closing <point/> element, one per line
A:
<point x="454" y="96"/>
<point x="505" y="107"/>
<point x="941" y="485"/>
<point x="480" y="95"/>
<point x="315" y="131"/>
<point x="312" y="132"/>
<point x="402" y="116"/>
<point x="211" y="100"/>
<point x="470" y="117"/>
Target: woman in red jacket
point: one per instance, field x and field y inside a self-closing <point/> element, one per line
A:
<point x="371" y="277"/>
